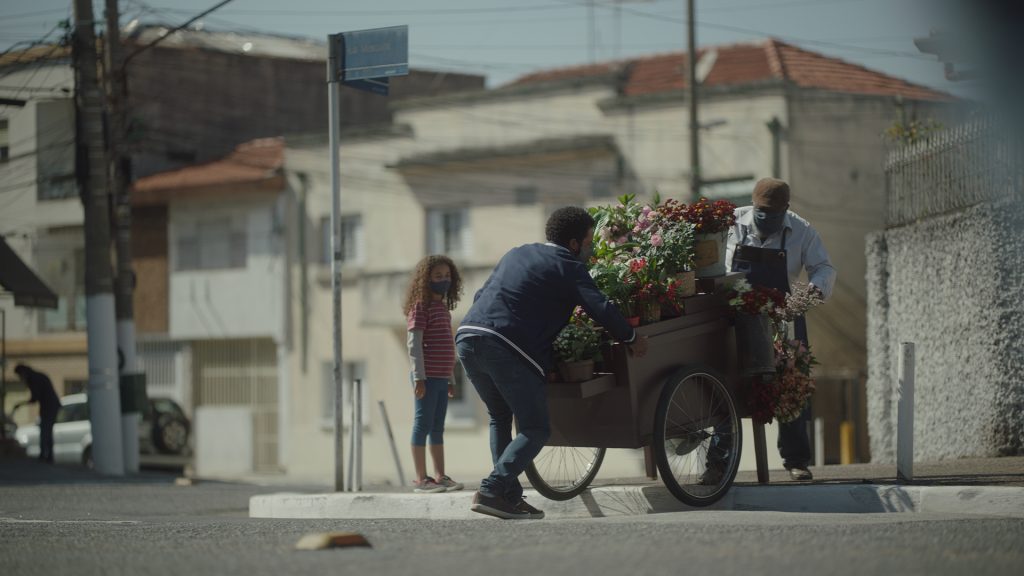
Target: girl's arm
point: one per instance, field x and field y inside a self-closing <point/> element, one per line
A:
<point x="415" y="344"/>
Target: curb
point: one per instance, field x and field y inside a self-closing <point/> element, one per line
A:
<point x="612" y="501"/>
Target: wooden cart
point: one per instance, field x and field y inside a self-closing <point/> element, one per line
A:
<point x="679" y="401"/>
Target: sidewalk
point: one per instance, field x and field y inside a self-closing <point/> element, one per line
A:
<point x="987" y="486"/>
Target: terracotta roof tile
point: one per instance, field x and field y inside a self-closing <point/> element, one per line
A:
<point x="749" y="63"/>
<point x="252" y="164"/>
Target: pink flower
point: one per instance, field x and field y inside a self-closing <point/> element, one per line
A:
<point x="656" y="240"/>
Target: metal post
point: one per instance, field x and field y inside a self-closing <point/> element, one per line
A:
<point x="819" y="442"/>
<point x="695" y="174"/>
<point x="357" y="432"/>
<point x="905" y="414"/>
<point x="104" y="392"/>
<point x="352" y="438"/>
<point x="775" y="127"/>
<point x="333" y="96"/>
<point x="391" y="440"/>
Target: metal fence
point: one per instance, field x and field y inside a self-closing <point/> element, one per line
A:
<point x="952" y="170"/>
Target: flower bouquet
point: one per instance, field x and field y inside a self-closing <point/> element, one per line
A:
<point x="756" y="322"/>
<point x="784" y="395"/>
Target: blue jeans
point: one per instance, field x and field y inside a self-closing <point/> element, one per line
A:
<point x="430" y="413"/>
<point x="509" y="388"/>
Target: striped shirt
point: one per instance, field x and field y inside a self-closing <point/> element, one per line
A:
<point x="435" y="321"/>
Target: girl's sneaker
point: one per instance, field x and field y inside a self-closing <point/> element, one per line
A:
<point x="427" y="486"/>
<point x="449" y="484"/>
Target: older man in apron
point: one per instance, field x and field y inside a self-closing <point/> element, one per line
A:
<point x="771" y="245"/>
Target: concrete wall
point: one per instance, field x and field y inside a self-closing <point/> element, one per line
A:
<point x="954" y="286"/>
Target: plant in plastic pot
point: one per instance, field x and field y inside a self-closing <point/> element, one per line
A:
<point x="576" y="348"/>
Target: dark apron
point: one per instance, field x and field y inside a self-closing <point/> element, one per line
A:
<point x="767" y="267"/>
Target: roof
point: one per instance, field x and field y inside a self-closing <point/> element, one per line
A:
<point x="19" y="279"/>
<point x="541" y="148"/>
<point x="253" y="166"/>
<point x="743" y="64"/>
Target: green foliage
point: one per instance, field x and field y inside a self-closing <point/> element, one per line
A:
<point x="913" y="131"/>
<point x="576" y="342"/>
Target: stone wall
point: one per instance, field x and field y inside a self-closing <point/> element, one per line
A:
<point x="953" y="285"/>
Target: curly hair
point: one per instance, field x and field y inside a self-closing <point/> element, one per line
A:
<point x="569" y="223"/>
<point x="419" y="284"/>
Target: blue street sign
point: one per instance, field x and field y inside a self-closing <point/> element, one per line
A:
<point x="375" y="85"/>
<point x="376" y="53"/>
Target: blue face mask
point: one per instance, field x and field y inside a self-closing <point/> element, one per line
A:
<point x="440" y="287"/>
<point x="768" y="223"/>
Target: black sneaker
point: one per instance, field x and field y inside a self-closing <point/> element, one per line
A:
<point x="498" y="507"/>
<point x="533" y="512"/>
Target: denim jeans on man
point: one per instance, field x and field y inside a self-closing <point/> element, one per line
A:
<point x="509" y="387"/>
<point x="430" y="412"/>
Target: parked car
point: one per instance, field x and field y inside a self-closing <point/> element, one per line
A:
<point x="163" y="431"/>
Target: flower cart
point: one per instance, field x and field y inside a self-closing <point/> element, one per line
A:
<point x="684" y="400"/>
<point x="678" y="400"/>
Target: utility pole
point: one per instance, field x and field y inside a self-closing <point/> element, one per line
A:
<point x="125" y="279"/>
<point x="104" y="393"/>
<point x="695" y="175"/>
<point x="775" y="127"/>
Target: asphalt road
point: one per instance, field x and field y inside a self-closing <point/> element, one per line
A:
<point x="150" y="526"/>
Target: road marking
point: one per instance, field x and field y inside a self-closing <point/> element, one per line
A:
<point x="23" y="521"/>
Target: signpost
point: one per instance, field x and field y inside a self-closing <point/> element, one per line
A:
<point x="363" y="59"/>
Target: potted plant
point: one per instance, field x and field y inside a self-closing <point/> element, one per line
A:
<point x="577" y="346"/>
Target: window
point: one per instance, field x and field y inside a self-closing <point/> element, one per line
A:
<point x="76" y="412"/>
<point x="61" y="265"/>
<point x="351" y="239"/>
<point x="448" y="231"/>
<point x="350" y="372"/>
<point x="211" y="244"/>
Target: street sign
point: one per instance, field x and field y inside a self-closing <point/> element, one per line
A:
<point x="375" y="85"/>
<point x="375" y="53"/>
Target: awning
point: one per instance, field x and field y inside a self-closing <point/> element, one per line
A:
<point x="19" y="279"/>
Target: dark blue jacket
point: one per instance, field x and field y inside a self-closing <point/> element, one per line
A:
<point x="529" y="298"/>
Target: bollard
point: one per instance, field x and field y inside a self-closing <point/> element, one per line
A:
<point x="905" y="414"/>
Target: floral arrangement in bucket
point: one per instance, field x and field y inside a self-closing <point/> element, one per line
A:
<point x="754" y="300"/>
<point x="576" y="348"/>
<point x="711" y="221"/>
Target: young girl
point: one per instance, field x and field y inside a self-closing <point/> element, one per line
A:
<point x="434" y="291"/>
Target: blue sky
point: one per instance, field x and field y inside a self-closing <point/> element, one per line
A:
<point x="502" y="39"/>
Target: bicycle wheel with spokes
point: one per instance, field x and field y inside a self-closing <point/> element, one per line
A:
<point x="697" y="436"/>
<point x="563" y="472"/>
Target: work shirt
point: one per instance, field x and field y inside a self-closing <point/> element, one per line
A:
<point x="529" y="298"/>
<point x="804" y="248"/>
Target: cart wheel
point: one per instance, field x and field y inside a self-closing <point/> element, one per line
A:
<point x="563" y="472"/>
<point x="697" y="436"/>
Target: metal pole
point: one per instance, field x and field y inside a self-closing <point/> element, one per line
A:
<point x="775" y="127"/>
<point x="905" y="414"/>
<point x="357" y="434"/>
<point x="352" y="437"/>
<point x="333" y="61"/>
<point x="695" y="174"/>
<point x="391" y="439"/>
<point x="104" y="392"/>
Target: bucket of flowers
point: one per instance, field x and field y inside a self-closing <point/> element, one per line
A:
<point x="755" y="319"/>
<point x="711" y="221"/>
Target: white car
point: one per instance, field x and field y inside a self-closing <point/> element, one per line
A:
<point x="163" y="433"/>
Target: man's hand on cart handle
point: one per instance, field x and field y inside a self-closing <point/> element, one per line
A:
<point x="638" y="347"/>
